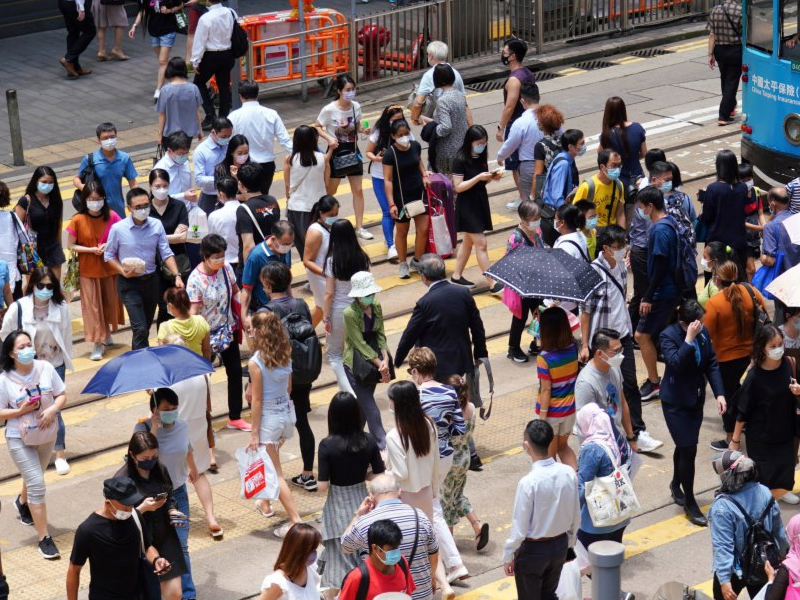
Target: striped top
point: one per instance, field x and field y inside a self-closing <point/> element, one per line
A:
<point x="561" y="369"/>
<point x="440" y="403"/>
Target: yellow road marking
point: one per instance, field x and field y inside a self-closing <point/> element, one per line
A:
<point x="570" y="71"/>
<point x="629" y="60"/>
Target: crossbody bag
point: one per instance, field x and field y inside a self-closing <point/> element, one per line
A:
<point x="413" y="208"/>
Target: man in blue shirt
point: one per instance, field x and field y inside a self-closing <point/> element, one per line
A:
<point x="776" y="239"/>
<point x="562" y="178"/>
<point x="207" y="156"/>
<point x="277" y="247"/>
<point x="110" y="166"/>
<point x="663" y="293"/>
<point x="143" y="237"/>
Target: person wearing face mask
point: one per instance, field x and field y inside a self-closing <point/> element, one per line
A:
<point x="569" y="223"/>
<point x="138" y="239"/>
<point x="791" y="331"/>
<point x="223" y="221"/>
<point x="160" y="516"/>
<point x="175" y="219"/>
<point x="112" y="542"/>
<point x="31" y="393"/>
<point x="110" y="166"/>
<point x="207" y="155"/>
<point x="176" y="163"/>
<point x="385" y="569"/>
<point x="690" y="361"/>
<point x="778" y="206"/>
<point x="178" y="104"/>
<point x="40" y="209"/>
<point x="589" y="231"/>
<point x="766" y="404"/>
<point x="426" y="92"/>
<point x="276" y="248"/>
<point x="257" y="214"/>
<point x="754" y="216"/>
<point x="473" y="214"/>
<point x="561" y="178"/>
<point x="714" y="253"/>
<point x="87" y="235"/>
<point x="324" y="213"/>
<point x="237" y="154"/>
<point x="295" y="574"/>
<point x="605" y="308"/>
<point x="44" y="315"/>
<point x="605" y="190"/>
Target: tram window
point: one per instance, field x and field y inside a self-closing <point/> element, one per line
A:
<point x="759" y="24"/>
<point x="789" y="20"/>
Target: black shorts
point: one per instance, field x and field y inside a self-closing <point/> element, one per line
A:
<point x="658" y="318"/>
<point x="52" y="256"/>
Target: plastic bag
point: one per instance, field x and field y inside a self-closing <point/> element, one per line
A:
<point x="582" y="558"/>
<point x="198" y="225"/>
<point x="569" y="584"/>
<point x="257" y="474"/>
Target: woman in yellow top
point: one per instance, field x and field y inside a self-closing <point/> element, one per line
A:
<point x="192" y="328"/>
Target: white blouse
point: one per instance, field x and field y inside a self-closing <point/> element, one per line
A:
<point x="292" y="591"/>
<point x="412" y="472"/>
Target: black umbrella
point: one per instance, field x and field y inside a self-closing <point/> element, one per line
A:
<point x="546" y="273"/>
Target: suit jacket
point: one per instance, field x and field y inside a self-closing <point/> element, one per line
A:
<point x="443" y="320"/>
<point x="684" y="381"/>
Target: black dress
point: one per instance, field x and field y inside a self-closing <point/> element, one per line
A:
<point x="766" y="405"/>
<point x="46" y="222"/>
<point x="473" y="214"/>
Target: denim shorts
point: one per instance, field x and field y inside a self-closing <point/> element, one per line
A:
<point x="277" y="425"/>
<point x="165" y="41"/>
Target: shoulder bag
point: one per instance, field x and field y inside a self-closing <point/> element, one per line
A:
<point x="27" y="256"/>
<point x="365" y="371"/>
<point x="411" y="209"/>
<point x="349" y="160"/>
<point x="610" y="499"/>
<point x="240" y="44"/>
<point x="760" y="317"/>
<point x="31" y="431"/>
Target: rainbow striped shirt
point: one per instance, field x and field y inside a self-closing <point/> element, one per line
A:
<point x="561" y="369"/>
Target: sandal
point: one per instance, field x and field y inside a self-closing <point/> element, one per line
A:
<point x="213" y="468"/>
<point x="482" y="538"/>
<point x="119" y="55"/>
<point x="266" y="515"/>
<point x="217" y="533"/>
<point x="102" y="57"/>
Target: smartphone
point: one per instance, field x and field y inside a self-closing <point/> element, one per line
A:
<point x="161" y="496"/>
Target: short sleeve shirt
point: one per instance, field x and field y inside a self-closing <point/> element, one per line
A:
<point x="110" y="174"/>
<point x="212" y="292"/>
<point x="339" y="123"/>
<point x="173" y="447"/>
<point x="720" y="26"/>
<point x="378" y="582"/>
<point x="91" y="232"/>
<point x="406" y="176"/>
<point x="44" y="221"/>
<point x="607" y="199"/>
<point x="663" y="241"/>
<point x="266" y="212"/>
<point x="292" y="591"/>
<point x="257" y="260"/>
<point x="14" y="394"/>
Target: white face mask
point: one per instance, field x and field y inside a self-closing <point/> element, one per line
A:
<point x="403" y="140"/>
<point x="614" y="361"/>
<point x="775" y="353"/>
<point x="141" y="214"/>
<point x="121" y="515"/>
<point x="619" y="255"/>
<point x="706" y="264"/>
<point x="241" y="158"/>
<point x="160" y="193"/>
<point x="534" y="225"/>
<point x="749" y="185"/>
<point x="95" y="205"/>
<point x="109" y="144"/>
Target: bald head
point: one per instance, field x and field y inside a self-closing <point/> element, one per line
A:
<point x="383" y="487"/>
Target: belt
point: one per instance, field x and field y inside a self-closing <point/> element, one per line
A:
<point x="544" y="539"/>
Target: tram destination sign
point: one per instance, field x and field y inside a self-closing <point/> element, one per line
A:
<point x="796" y="66"/>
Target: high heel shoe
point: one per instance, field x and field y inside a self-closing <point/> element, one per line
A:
<point x="695" y="515"/>
<point x="677" y="494"/>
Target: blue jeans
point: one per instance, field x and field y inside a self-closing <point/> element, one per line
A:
<point x="387" y="223"/>
<point x="182" y="501"/>
<point x="62" y="430"/>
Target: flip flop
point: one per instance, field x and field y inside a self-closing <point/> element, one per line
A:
<point x="483" y="537"/>
<point x="213" y="468"/>
<point x="266" y="515"/>
<point x="217" y="533"/>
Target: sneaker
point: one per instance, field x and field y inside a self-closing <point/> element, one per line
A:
<point x="413" y="264"/>
<point x="24" y="512"/>
<point x="457" y="573"/>
<point x="790" y="498"/>
<point x="462" y="281"/>
<point x="533" y="349"/>
<point x="239" y="424"/>
<point x="391" y="254"/>
<point x="496" y="288"/>
<point x="62" y="466"/>
<point x="364" y="234"/>
<point x="47" y="548"/>
<point x="109" y="341"/>
<point x="307" y="482"/>
<point x="403" y="272"/>
<point x="97" y="352"/>
<point x="517" y="355"/>
<point x="647" y="443"/>
<point x="281" y="531"/>
<point x="650" y="390"/>
<point x="156" y="94"/>
<point x="514" y="205"/>
<point x="720" y="445"/>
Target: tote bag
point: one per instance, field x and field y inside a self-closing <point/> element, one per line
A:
<point x="610" y="499"/>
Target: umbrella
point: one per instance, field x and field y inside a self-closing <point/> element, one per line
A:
<point x="792" y="225"/>
<point x="786" y="287"/>
<point x="546" y="273"/>
<point x="147" y="368"/>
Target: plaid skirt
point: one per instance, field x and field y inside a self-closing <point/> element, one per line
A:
<point x="340" y="506"/>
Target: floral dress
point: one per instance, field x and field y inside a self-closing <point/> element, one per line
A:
<point x="455" y="504"/>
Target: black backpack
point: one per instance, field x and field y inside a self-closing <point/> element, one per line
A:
<point x="239" y="41"/>
<point x="363" y="584"/>
<point x="306" y="349"/>
<point x="759" y="546"/>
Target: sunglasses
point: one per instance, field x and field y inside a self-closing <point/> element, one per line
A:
<point x="41" y="286"/>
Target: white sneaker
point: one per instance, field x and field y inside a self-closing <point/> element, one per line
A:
<point x="97" y="352"/>
<point x="790" y="498"/>
<point x="457" y="573"/>
<point x="109" y="341"/>
<point x="156" y="94"/>
<point x="647" y="443"/>
<point x="402" y="271"/>
<point x="392" y="253"/>
<point x="364" y="234"/>
<point x="514" y="205"/>
<point x="62" y="467"/>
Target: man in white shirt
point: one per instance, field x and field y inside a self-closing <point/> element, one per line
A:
<point x="261" y="126"/>
<point x="207" y="156"/>
<point x="545" y="520"/>
<point x="437" y="53"/>
<point x="212" y="57"/>
<point x="80" y="33"/>
<point x="223" y="222"/>
<point x="176" y="163"/>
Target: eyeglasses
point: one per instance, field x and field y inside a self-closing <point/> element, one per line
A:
<point x="41" y="286"/>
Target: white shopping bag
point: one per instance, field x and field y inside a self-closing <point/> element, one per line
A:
<point x="569" y="584"/>
<point x="257" y="474"/>
<point x="198" y="225"/>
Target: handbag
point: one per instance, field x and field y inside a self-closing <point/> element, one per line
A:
<point x="411" y="209"/>
<point x="766" y="275"/>
<point x="349" y="160"/>
<point x="257" y="473"/>
<point x="73" y="277"/>
<point x="365" y="371"/>
<point x="610" y="499"/>
<point x="760" y="317"/>
<point x="240" y="44"/>
<point x="184" y="268"/>
<point x="31" y="431"/>
<point x="439" y="240"/>
<point x="27" y="256"/>
<point x="159" y="154"/>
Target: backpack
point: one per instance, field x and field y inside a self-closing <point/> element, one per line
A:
<point x="611" y="208"/>
<point x="363" y="584"/>
<point x="759" y="546"/>
<point x="674" y="208"/>
<point x="306" y="350"/>
<point x="686" y="270"/>
<point x="239" y="41"/>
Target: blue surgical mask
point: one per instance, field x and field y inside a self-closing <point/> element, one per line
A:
<point x="181" y="159"/>
<point x="392" y="557"/>
<point x="26" y="355"/>
<point x="45" y="188"/>
<point x="349" y="95"/>
<point x="330" y="220"/>
<point x="168" y="417"/>
<point x="640" y="212"/>
<point x="582" y="151"/>
<point x="44" y="294"/>
<point x="223" y="141"/>
<point x="666" y="187"/>
<point x="591" y="222"/>
<point x="368" y="300"/>
<point x="613" y="174"/>
<point x="479" y="148"/>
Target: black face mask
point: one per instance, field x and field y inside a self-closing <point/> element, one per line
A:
<point x="505" y="59"/>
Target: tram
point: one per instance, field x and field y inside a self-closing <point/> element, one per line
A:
<point x="771" y="89"/>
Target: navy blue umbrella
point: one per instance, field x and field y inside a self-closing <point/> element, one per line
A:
<point x="546" y="273"/>
<point x="147" y="368"/>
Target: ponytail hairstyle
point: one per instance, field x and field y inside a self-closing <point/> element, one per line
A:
<point x="727" y="275"/>
<point x="573" y="218"/>
<point x="720" y="252"/>
<point x="459" y="384"/>
<point x="323" y="205"/>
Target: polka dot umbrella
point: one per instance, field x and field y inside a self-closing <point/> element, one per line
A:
<point x="546" y="273"/>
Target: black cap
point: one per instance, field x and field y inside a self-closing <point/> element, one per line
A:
<point x="123" y="490"/>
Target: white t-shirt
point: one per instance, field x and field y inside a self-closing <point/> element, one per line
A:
<point x="292" y="591"/>
<point x="341" y="123"/>
<point x="223" y="222"/>
<point x="307" y="184"/>
<point x="376" y="166"/>
<point x="565" y="243"/>
<point x="341" y="299"/>
<point x="12" y="394"/>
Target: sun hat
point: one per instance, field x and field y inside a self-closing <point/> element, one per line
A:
<point x="363" y="284"/>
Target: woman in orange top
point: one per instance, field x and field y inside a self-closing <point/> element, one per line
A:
<point x="87" y="234"/>
<point x="731" y="324"/>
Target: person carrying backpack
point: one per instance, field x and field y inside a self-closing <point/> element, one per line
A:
<point x="295" y="315"/>
<point x="562" y="177"/>
<point x="745" y="523"/>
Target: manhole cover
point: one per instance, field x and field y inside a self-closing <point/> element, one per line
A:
<point x="486" y="86"/>
<point x="591" y="65"/>
<point x="650" y="52"/>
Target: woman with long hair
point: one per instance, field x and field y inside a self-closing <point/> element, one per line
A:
<point x="295" y="574"/>
<point x="87" y="234"/>
<point x="730" y="322"/>
<point x="159" y="512"/>
<point x="23" y="383"/>
<point x="236" y="155"/>
<point x="272" y="408"/>
<point x="41" y="210"/>
<point x="324" y="214"/>
<point x="345" y="258"/>
<point x="339" y="123"/>
<point x="157" y="17"/>
<point x="305" y="174"/>
<point x="379" y="141"/>
<point x="766" y="404"/>
<point x="345" y="456"/>
<point x="473" y="214"/>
